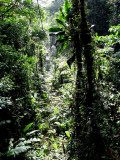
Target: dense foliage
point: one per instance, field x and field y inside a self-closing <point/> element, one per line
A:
<point x="59" y="80"/>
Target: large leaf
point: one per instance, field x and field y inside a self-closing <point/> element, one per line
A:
<point x="55" y="29"/>
<point x="61" y="22"/>
<point x="67" y="6"/>
<point x="62" y="14"/>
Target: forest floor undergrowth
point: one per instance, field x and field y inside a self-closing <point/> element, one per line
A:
<point x="55" y="127"/>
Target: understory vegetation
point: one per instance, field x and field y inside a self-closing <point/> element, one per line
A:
<point x="60" y="80"/>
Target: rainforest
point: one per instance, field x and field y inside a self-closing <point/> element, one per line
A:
<point x="59" y="80"/>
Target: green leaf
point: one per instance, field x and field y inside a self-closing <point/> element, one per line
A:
<point x="52" y="139"/>
<point x="61" y="22"/>
<point x="67" y="133"/>
<point x="28" y="126"/>
<point x="62" y="14"/>
<point x="64" y="45"/>
<point x="46" y="95"/>
<point x="63" y="125"/>
<point x="56" y="110"/>
<point x="67" y="6"/>
<point x="55" y="145"/>
<point x="55" y="29"/>
<point x="116" y="33"/>
<point x="45" y="152"/>
<point x="41" y="126"/>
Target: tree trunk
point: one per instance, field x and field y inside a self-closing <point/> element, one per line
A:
<point x="78" y="54"/>
<point x="85" y="104"/>
<point x="78" y="97"/>
<point x="88" y="51"/>
<point x="92" y="106"/>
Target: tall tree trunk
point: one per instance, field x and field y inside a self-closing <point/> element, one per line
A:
<point x="92" y="107"/>
<point x="88" y="53"/>
<point x="83" y="46"/>
<point x="78" y="54"/>
<point x="78" y="97"/>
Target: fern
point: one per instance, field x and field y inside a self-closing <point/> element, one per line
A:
<point x="22" y="147"/>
